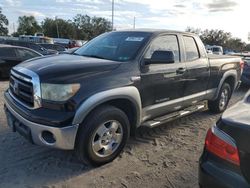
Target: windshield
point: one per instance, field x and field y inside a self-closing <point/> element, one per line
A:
<point x="116" y="46"/>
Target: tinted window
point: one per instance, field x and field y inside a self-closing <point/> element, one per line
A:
<point x="7" y="52"/>
<point x="216" y="50"/>
<point x="166" y="43"/>
<point x="117" y="46"/>
<point x="36" y="47"/>
<point x="59" y="48"/>
<point x="26" y="54"/>
<point x="247" y="60"/>
<point x="9" y="42"/>
<point x="191" y="49"/>
<point x="16" y="43"/>
<point x="53" y="47"/>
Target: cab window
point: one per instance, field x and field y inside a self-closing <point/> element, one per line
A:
<point x="164" y="43"/>
<point x="26" y="54"/>
<point x="191" y="50"/>
<point x="7" y="52"/>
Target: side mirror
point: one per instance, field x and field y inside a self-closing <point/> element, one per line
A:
<point x="161" y="57"/>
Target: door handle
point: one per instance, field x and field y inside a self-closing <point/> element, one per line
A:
<point x="181" y="70"/>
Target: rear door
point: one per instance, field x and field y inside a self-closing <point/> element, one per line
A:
<point x="198" y="71"/>
<point x="162" y="84"/>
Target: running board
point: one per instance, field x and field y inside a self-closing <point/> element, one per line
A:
<point x="170" y="117"/>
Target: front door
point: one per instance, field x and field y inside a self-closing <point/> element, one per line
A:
<point x="162" y="83"/>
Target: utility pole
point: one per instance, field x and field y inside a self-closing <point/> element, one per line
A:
<point x="14" y="28"/>
<point x="113" y="15"/>
<point x="57" y="27"/>
<point x="134" y="22"/>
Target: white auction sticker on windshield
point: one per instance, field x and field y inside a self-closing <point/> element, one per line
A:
<point x="135" y="39"/>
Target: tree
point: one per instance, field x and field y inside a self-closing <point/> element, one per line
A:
<point x="66" y="29"/>
<point x="235" y="44"/>
<point x="247" y="47"/>
<point x="27" y="25"/>
<point x="194" y="30"/>
<point x="100" y="25"/>
<point x="3" y="23"/>
<point x="219" y="37"/>
<point x="88" y="28"/>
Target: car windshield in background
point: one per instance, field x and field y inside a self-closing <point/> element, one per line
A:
<point x="216" y="50"/>
<point x="247" y="60"/>
<point x="116" y="46"/>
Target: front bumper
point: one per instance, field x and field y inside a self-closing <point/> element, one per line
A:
<point x="63" y="138"/>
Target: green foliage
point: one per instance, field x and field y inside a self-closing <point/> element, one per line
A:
<point x="219" y="37"/>
<point x="88" y="28"/>
<point x="82" y="27"/>
<point x="3" y="23"/>
<point x="247" y="48"/>
<point x="27" y="25"/>
<point x="65" y="28"/>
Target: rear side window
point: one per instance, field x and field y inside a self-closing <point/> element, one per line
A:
<point x="7" y="52"/>
<point x="35" y="47"/>
<point x="59" y="48"/>
<point x="26" y="54"/>
<point x="166" y="43"/>
<point x="191" y="49"/>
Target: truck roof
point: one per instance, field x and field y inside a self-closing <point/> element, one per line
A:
<point x="156" y="31"/>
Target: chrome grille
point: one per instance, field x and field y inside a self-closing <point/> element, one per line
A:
<point x="21" y="88"/>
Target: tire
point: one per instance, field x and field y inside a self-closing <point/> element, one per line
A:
<point x="102" y="136"/>
<point x="220" y="104"/>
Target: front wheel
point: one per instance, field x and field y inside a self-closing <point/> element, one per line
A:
<point x="102" y="136"/>
<point x="220" y="104"/>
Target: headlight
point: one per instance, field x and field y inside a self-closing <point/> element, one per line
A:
<point x="58" y="92"/>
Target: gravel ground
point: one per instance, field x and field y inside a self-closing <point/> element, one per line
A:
<point x="166" y="156"/>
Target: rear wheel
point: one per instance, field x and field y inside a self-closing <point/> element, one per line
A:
<point x="221" y="102"/>
<point x="102" y="136"/>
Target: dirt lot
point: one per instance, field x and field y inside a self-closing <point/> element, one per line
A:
<point x="166" y="156"/>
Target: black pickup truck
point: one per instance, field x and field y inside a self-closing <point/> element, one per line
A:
<point x="92" y="100"/>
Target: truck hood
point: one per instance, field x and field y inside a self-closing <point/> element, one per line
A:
<point x="64" y="67"/>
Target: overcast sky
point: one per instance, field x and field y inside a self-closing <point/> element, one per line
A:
<point x="228" y="15"/>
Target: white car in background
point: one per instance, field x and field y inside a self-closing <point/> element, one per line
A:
<point x="218" y="50"/>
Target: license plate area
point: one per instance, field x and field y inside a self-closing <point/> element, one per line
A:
<point x="17" y="126"/>
<point x="10" y="121"/>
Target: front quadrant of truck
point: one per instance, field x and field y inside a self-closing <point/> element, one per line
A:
<point x="91" y="101"/>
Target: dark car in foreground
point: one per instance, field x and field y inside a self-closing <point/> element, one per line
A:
<point x="245" y="78"/>
<point x="11" y="56"/>
<point x="91" y="101"/>
<point x="32" y="46"/>
<point x="225" y="161"/>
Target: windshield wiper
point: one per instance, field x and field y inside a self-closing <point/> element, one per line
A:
<point x="94" y="56"/>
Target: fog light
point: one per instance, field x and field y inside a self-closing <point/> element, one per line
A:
<point x="48" y="137"/>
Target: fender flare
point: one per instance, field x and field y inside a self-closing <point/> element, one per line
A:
<point x="130" y="93"/>
<point x="226" y="75"/>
